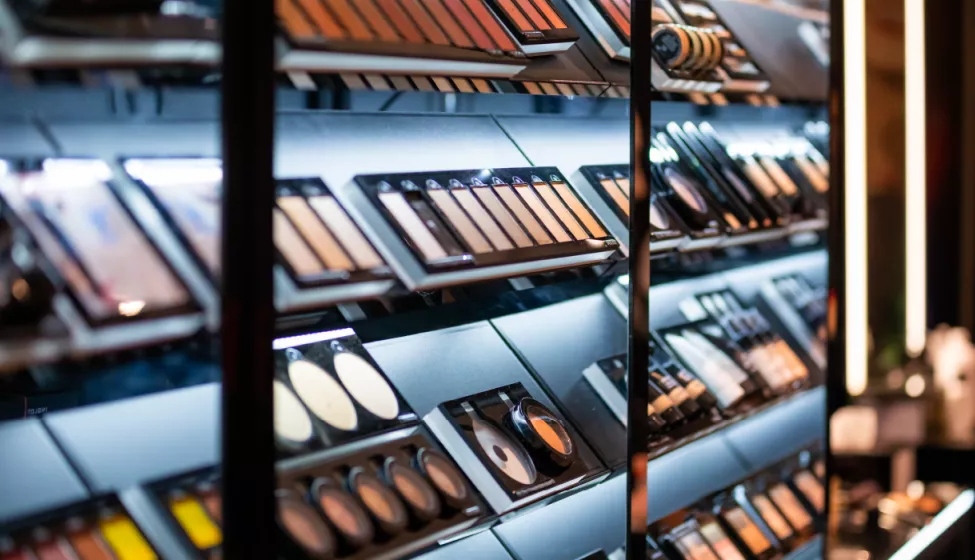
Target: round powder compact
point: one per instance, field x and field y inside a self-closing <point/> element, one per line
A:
<point x="386" y="508"/>
<point x="542" y="431"/>
<point x="413" y="488"/>
<point x="507" y="454"/>
<point x="343" y="512"/>
<point x="366" y="385"/>
<point x="323" y="395"/>
<point x="671" y="44"/>
<point x="686" y="190"/>
<point x="292" y="425"/>
<point x="304" y="527"/>
<point x="445" y="477"/>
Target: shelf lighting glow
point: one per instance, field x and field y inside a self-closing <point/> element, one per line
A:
<point x="941" y="523"/>
<point x="855" y="193"/>
<point x="915" y="183"/>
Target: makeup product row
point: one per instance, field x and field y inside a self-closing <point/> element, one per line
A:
<point x="383" y="498"/>
<point x="739" y="71"/>
<point x="482" y="223"/>
<point x="515" y="449"/>
<point x="676" y="400"/>
<point x="685" y="58"/>
<point x="423" y="30"/>
<point x="609" y="23"/>
<point x="802" y="309"/>
<point x="328" y="390"/>
<point x="537" y="25"/>
<point x="95" y="531"/>
<point x="194" y="505"/>
<point x="763" y="518"/>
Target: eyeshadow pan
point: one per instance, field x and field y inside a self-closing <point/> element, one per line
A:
<point x="327" y="26"/>
<point x="533" y="14"/>
<point x="124" y="538"/>
<point x="293" y="247"/>
<point x="524" y="215"/>
<point x="481" y="217"/>
<point x="538" y="207"/>
<point x="294" y="21"/>
<point x="426" y="23"/>
<point x="377" y="20"/>
<point x="52" y="550"/>
<point x="579" y="209"/>
<point x="418" y="233"/>
<point x="349" y="19"/>
<point x="401" y="21"/>
<point x="449" y="25"/>
<point x="760" y="178"/>
<point x="305" y="528"/>
<point x="443" y="474"/>
<point x="422" y="83"/>
<point x="88" y="545"/>
<point x="614" y="192"/>
<point x="548" y="89"/>
<point x="463" y="85"/>
<point x="469" y="24"/>
<point x="501" y="214"/>
<point x="521" y="22"/>
<point x="772" y="517"/>
<point x="443" y="84"/>
<point x="291" y="422"/>
<point x="482" y="85"/>
<point x="790" y="506"/>
<point x="553" y="201"/>
<point x="346" y="231"/>
<point x="618" y="16"/>
<point x="211" y="499"/>
<point x="415" y="490"/>
<point x="494" y="29"/>
<point x="323" y="395"/>
<point x="315" y="233"/>
<point x="345" y="514"/>
<point x="464" y="226"/>
<point x="780" y="177"/>
<point x="549" y="12"/>
<point x="197" y="525"/>
<point x="366" y="385"/>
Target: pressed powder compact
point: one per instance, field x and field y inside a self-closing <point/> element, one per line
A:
<point x="384" y="496"/>
<point x="515" y="448"/>
<point x="537" y="25"/>
<point x="457" y="226"/>
<point x="328" y="390"/>
<point x="686" y="197"/>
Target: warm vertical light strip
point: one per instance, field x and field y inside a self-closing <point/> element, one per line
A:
<point x="915" y="183"/>
<point x="855" y="192"/>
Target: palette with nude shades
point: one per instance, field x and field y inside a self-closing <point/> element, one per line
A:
<point x="440" y="37"/>
<point x="328" y="390"/>
<point x="515" y="449"/>
<point x="609" y="22"/>
<point x="99" y="530"/>
<point x="383" y="497"/>
<point x="487" y="223"/>
<point x="537" y="25"/>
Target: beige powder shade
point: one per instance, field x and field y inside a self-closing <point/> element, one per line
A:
<point x="366" y="385"/>
<point x="304" y="526"/>
<point x="415" y="490"/>
<point x="463" y="224"/>
<point x="579" y="209"/>
<point x="323" y="395"/>
<point x="482" y="219"/>
<point x="507" y="455"/>
<point x="528" y="195"/>
<point x="553" y="201"/>
<point x="380" y="500"/>
<point x="685" y="190"/>
<point x="289" y="242"/>
<point x="501" y="214"/>
<point x="524" y="215"/>
<point x="445" y="476"/>
<point x="315" y="233"/>
<point x="781" y="178"/>
<point x="414" y="227"/>
<point x="345" y="514"/>
<point x="346" y="231"/>
<point x="760" y="178"/>
<point x="657" y="217"/>
<point x="291" y="422"/>
<point x="616" y="194"/>
<point x="815" y="176"/>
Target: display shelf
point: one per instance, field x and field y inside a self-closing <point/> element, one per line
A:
<point x="482" y="546"/>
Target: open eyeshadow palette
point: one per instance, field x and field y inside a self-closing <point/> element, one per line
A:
<point x="379" y="498"/>
<point x="99" y="530"/>
<point x="329" y="390"/>
<point x="609" y="23"/>
<point x="612" y="184"/>
<point x="107" y="32"/>
<point x="402" y="36"/>
<point x="514" y="448"/>
<point x="192" y="506"/>
<point x="453" y="226"/>
<point x="118" y="289"/>
<point x="738" y="71"/>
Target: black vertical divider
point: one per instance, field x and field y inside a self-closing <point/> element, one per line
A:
<point x="247" y="308"/>
<point x="639" y="263"/>
<point x="836" y="318"/>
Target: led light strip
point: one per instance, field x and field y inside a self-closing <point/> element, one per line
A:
<point x="941" y="523"/>
<point x="915" y="184"/>
<point x="301" y="339"/>
<point x="855" y="193"/>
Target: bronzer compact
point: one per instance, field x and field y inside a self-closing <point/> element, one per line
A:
<point x="384" y="497"/>
<point x="537" y="25"/>
<point x="442" y="228"/>
<point x="612" y="184"/>
<point x="702" y="221"/>
<point x="515" y="449"/>
<point x="328" y="390"/>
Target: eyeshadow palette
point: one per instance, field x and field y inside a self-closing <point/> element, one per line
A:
<point x="402" y="36"/>
<point x="702" y="219"/>
<point x="454" y="226"/>
<point x="802" y="309"/>
<point x="194" y="505"/>
<point x="109" y="33"/>
<point x="514" y="448"/>
<point x="537" y="25"/>
<point x="737" y="69"/>
<point x="745" y="531"/>
<point x="811" y="489"/>
<point x="114" y="277"/>
<point x="609" y="23"/>
<point x="612" y="184"/>
<point x="380" y="498"/>
<point x="328" y="390"/>
<point x="102" y="530"/>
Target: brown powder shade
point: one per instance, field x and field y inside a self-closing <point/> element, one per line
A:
<point x="427" y="25"/>
<point x="346" y="231"/>
<point x="289" y="242"/>
<point x="315" y="233"/>
<point x="449" y="24"/>
<point x="549" y="89"/>
<point x="579" y="209"/>
<point x="491" y="24"/>
<point x="534" y="15"/>
<point x="481" y="85"/>
<point x="463" y="85"/>
<point x="501" y="214"/>
<point x="401" y="21"/>
<point x="546" y="8"/>
<point x="550" y="198"/>
<point x="88" y="546"/>
<point x="469" y="24"/>
<point x="443" y="84"/>
<point x="532" y="88"/>
<point x="461" y="222"/>
<point x="544" y="215"/>
<point x="377" y="21"/>
<point x="294" y="21"/>
<point x="422" y="83"/>
<point x="616" y="194"/>
<point x="619" y="18"/>
<point x="350" y="19"/>
<point x="524" y="215"/>
<point x="521" y="22"/>
<point x="327" y="26"/>
<point x="422" y="238"/>
<point x="482" y="218"/>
